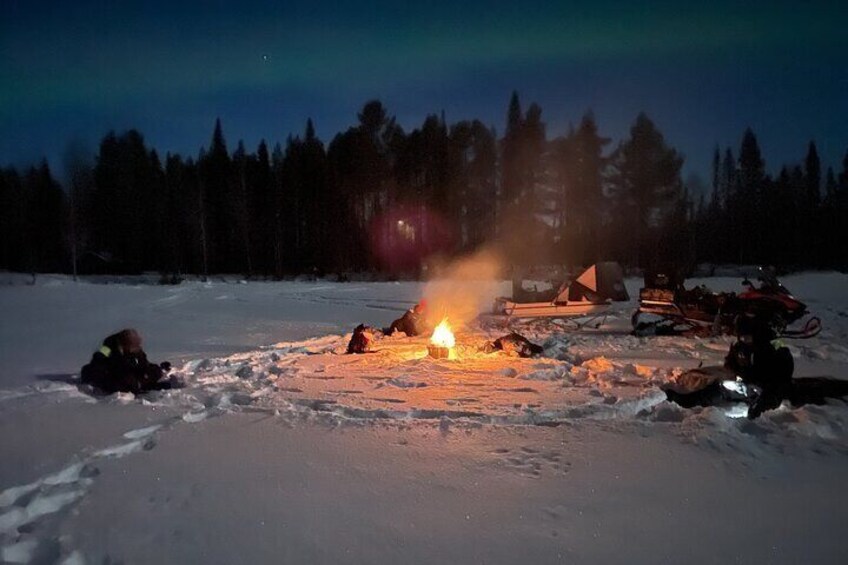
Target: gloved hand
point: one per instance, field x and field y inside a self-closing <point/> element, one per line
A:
<point x="165" y="366"/>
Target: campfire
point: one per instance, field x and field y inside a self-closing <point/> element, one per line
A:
<point x="442" y="342"/>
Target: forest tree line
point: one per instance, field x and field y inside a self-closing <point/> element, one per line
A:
<point x="307" y="207"/>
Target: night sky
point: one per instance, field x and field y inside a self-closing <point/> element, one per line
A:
<point x="74" y="70"/>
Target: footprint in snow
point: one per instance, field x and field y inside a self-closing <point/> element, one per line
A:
<point x="23" y="506"/>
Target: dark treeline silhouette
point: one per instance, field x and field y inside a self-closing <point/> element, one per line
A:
<point x="381" y="199"/>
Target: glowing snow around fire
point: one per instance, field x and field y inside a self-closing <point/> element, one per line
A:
<point x="443" y="336"/>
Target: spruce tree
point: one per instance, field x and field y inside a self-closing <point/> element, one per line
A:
<point x="263" y="210"/>
<point x="748" y="219"/>
<point x="46" y="221"/>
<point x="580" y="165"/>
<point x="716" y="178"/>
<point x="843" y="175"/>
<point x="511" y="154"/>
<point x="646" y="182"/>
<point x="221" y="225"/>
<point x="830" y="185"/>
<point x="812" y="170"/>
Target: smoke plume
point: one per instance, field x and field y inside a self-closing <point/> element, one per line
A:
<point x="462" y="288"/>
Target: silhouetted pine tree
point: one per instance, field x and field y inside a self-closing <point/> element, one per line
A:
<point x="646" y="182"/>
<point x="771" y="221"/>
<point x="843" y="175"/>
<point x="361" y="162"/>
<point x="523" y="174"/>
<point x="280" y="212"/>
<point x="512" y="177"/>
<point x="811" y="203"/>
<point x="716" y="179"/>
<point x="157" y="216"/>
<point x="311" y="210"/>
<point x="176" y="235"/>
<point x="676" y="239"/>
<point x="476" y="149"/>
<point x="220" y="219"/>
<point x="748" y="221"/>
<point x="240" y="203"/>
<point x="798" y="249"/>
<point x="839" y="227"/>
<point x="13" y="221"/>
<point x="263" y="210"/>
<point x="80" y="177"/>
<point x="830" y="185"/>
<point x="812" y="170"/>
<point x="581" y="204"/>
<point x="725" y="245"/>
<point x="534" y="148"/>
<point x="348" y="185"/>
<point x="46" y="221"/>
<point x="124" y="203"/>
<point x="709" y="233"/>
<point x="314" y="195"/>
<point x="828" y="219"/>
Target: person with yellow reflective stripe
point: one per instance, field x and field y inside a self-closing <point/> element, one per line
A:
<point x="121" y="365"/>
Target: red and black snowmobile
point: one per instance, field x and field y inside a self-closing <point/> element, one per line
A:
<point x="666" y="306"/>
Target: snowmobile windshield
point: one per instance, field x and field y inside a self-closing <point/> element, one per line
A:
<point x="769" y="281"/>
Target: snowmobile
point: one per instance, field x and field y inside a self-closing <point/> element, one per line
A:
<point x="719" y="386"/>
<point x="712" y="386"/>
<point x="589" y="295"/>
<point x="665" y="297"/>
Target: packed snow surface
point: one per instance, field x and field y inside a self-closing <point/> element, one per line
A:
<point x="281" y="448"/>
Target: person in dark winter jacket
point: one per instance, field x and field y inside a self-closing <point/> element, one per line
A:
<point x="764" y="366"/>
<point x="759" y="358"/>
<point x="362" y="340"/>
<point x="412" y="323"/>
<point x="120" y="365"/>
<point x="514" y="344"/>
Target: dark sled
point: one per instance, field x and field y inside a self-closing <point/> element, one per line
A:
<point x="590" y="295"/>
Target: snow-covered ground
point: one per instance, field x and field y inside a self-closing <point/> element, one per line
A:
<point x="282" y="449"/>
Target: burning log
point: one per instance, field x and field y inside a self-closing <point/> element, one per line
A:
<point x="442" y="341"/>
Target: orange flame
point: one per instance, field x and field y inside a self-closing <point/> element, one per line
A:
<point x="442" y="335"/>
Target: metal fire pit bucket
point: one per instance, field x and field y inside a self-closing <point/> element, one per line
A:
<point x="437" y="352"/>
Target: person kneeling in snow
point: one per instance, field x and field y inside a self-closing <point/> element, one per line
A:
<point x="762" y="360"/>
<point x="762" y="368"/>
<point x="120" y="365"/>
<point x="361" y="340"/>
<point x="412" y="323"/>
